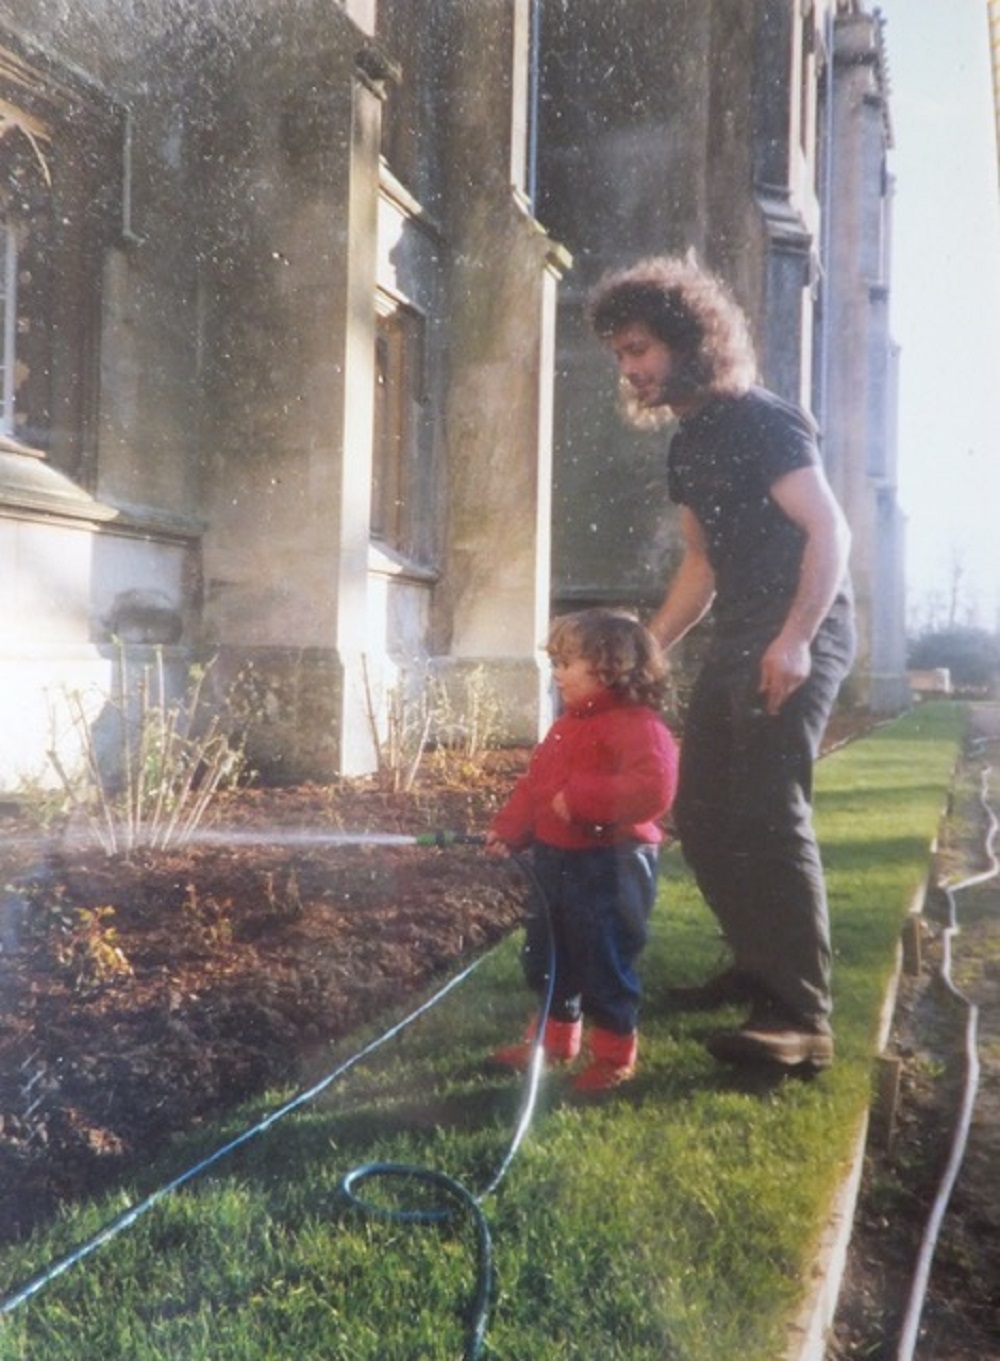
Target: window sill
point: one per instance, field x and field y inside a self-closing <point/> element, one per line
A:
<point x="31" y="489"/>
<point x="388" y="562"/>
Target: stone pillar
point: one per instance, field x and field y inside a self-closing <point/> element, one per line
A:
<point x="492" y="605"/>
<point x="354" y="740"/>
<point x="498" y="575"/>
<point x="289" y="376"/>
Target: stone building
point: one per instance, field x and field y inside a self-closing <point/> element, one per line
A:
<point x="857" y="385"/>
<point x="279" y="327"/>
<point x="293" y="355"/>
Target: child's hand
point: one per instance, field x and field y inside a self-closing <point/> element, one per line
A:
<point x="561" y="808"/>
<point x="494" y="846"/>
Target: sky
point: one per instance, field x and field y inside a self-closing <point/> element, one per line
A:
<point x="945" y="304"/>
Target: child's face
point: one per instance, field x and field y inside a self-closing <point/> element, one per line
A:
<point x="575" y="678"/>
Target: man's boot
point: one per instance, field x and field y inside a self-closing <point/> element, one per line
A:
<point x="773" y="1036"/>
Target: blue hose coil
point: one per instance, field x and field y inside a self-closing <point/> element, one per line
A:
<point x="454" y="1189"/>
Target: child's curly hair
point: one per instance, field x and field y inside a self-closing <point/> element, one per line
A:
<point x="690" y="310"/>
<point x="624" y="654"/>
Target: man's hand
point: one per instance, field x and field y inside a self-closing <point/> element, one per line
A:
<point x="783" y="668"/>
<point x="561" y="808"/>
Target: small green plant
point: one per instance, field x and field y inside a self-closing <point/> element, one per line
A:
<point x="88" y="950"/>
<point x="460" y="718"/>
<point x="287" y="905"/>
<point x="38" y="802"/>
<point x="211" y="920"/>
<point x="151" y="779"/>
<point x="401" y="740"/>
<point x="467" y="715"/>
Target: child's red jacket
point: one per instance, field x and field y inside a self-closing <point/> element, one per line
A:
<point x="616" y="764"/>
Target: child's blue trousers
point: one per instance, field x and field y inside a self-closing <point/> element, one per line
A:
<point x="597" y="905"/>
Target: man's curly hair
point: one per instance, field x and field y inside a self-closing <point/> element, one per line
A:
<point x="690" y="310"/>
<point x="625" y="656"/>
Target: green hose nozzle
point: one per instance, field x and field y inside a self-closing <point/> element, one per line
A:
<point x="444" y="838"/>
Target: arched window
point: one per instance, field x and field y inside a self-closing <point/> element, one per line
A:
<point x="25" y="276"/>
<point x="60" y="207"/>
<point x="399" y="401"/>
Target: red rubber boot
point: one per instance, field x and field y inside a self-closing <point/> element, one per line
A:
<point x="612" y="1061"/>
<point x="561" y="1044"/>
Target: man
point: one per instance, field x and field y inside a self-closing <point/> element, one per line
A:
<point x="765" y="547"/>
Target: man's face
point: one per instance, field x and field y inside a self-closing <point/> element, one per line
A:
<point x="649" y="366"/>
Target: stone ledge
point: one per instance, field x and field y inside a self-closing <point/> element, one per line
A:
<point x="31" y="489"/>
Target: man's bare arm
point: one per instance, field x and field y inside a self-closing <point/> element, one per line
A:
<point x="806" y="498"/>
<point x="691" y="590"/>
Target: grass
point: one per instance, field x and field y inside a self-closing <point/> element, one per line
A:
<point x="675" y="1221"/>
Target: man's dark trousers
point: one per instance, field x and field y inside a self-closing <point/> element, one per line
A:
<point x="744" y="816"/>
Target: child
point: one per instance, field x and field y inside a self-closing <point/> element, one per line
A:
<point x="589" y="806"/>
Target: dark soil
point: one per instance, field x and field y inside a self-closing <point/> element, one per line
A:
<point x="910" y="1146"/>
<point x="141" y="997"/>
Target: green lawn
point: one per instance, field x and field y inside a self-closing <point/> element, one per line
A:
<point x="676" y="1219"/>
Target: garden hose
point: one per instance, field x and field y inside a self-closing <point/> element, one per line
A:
<point x="443" y="838"/>
<point x="464" y="1199"/>
<point x="451" y="1187"/>
<point x="970" y="1085"/>
<point x="454" y="1190"/>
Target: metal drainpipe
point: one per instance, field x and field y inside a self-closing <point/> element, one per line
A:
<point x="825" y="225"/>
<point x="534" y="82"/>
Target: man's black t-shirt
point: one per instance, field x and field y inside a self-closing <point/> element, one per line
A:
<point x="723" y="461"/>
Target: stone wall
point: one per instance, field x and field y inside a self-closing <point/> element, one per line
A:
<point x="260" y="228"/>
